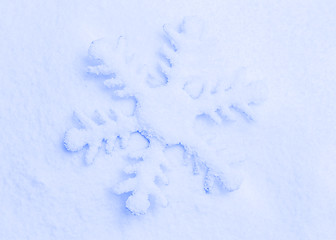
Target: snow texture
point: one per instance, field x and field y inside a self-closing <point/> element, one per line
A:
<point x="170" y="97"/>
<point x="160" y="70"/>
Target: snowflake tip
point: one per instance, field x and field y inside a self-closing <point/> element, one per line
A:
<point x="138" y="204"/>
<point x="74" y="140"/>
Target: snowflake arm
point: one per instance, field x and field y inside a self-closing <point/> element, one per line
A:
<point x="93" y="134"/>
<point x="112" y="61"/>
<point x="201" y="76"/>
<point x="148" y="170"/>
<point x="124" y="76"/>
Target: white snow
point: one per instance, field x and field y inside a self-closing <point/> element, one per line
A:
<point x="193" y="119"/>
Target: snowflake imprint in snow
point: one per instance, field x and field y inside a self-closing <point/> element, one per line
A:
<point x="187" y="82"/>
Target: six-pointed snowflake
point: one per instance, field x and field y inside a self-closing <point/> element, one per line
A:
<point x="190" y="83"/>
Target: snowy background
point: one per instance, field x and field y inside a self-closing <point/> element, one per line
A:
<point x="253" y="172"/>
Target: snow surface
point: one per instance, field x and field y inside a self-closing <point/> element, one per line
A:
<point x="218" y="119"/>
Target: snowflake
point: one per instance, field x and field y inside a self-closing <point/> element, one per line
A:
<point x="190" y="83"/>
